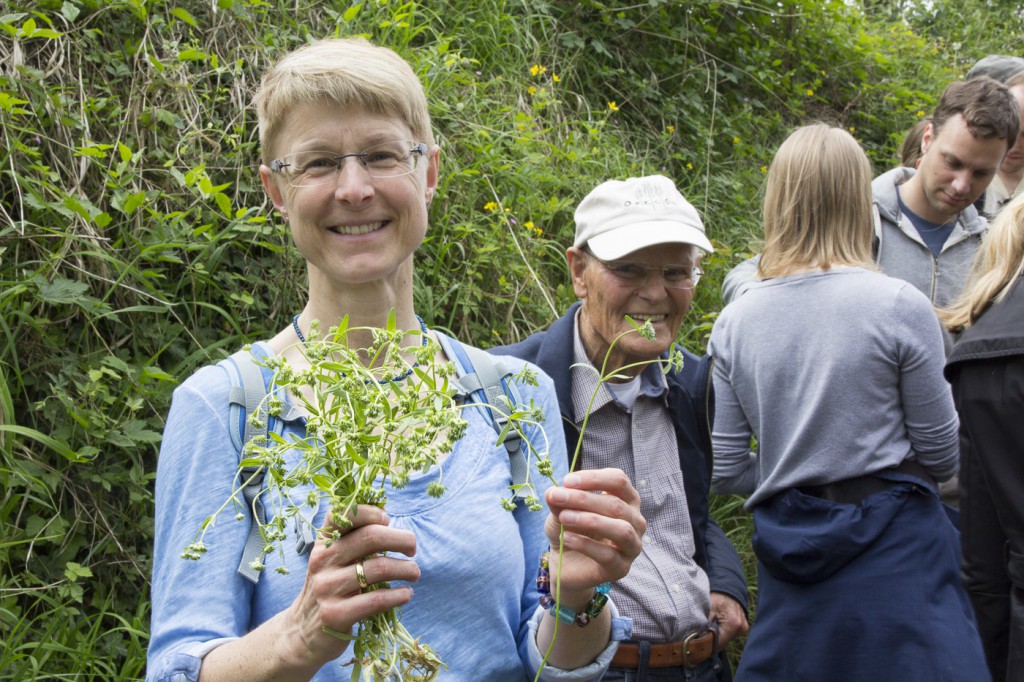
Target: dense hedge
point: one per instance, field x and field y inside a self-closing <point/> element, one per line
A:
<point x="136" y="243"/>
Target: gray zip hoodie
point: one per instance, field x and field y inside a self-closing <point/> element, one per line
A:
<point x="900" y="252"/>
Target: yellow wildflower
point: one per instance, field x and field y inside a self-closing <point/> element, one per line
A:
<point x="491" y="206"/>
<point x="531" y="90"/>
<point x="537" y="69"/>
<point x="613" y="106"/>
<point x="689" y="166"/>
<point x="670" y="129"/>
<point x="555" y="77"/>
<point x="810" y="93"/>
<point x="920" y="114"/>
<point x="764" y="169"/>
<point x="735" y="140"/>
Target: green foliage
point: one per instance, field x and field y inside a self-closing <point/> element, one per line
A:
<point x="136" y="243"/>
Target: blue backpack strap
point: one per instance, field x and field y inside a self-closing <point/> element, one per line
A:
<point x="247" y="396"/>
<point x="486" y="380"/>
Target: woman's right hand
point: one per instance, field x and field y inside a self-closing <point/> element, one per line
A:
<point x="332" y="598"/>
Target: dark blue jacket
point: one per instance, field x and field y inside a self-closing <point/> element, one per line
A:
<point x="691" y="403"/>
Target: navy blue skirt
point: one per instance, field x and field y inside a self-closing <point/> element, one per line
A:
<point x="860" y="592"/>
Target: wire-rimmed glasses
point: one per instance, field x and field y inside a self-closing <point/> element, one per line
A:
<point x="633" y="274"/>
<point x="386" y="160"/>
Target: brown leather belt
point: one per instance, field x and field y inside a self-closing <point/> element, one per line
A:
<point x="692" y="651"/>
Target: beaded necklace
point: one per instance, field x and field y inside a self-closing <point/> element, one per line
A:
<point x="400" y="377"/>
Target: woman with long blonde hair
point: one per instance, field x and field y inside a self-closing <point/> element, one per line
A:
<point x="836" y="371"/>
<point x="986" y="370"/>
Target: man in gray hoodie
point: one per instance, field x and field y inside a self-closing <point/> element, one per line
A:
<point x="927" y="228"/>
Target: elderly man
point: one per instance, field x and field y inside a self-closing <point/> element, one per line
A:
<point x="636" y="254"/>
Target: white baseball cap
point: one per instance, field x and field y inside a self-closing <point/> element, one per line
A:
<point x="622" y="216"/>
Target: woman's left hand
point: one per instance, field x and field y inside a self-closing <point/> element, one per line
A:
<point x="600" y="511"/>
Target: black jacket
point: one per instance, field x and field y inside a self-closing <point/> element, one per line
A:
<point x="986" y="369"/>
<point x="691" y="403"/>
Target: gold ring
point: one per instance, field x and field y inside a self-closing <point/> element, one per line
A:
<point x="361" y="575"/>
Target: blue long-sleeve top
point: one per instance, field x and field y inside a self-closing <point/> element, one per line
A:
<point x="476" y="603"/>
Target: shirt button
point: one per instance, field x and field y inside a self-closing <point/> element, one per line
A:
<point x="642" y="484"/>
<point x="676" y="588"/>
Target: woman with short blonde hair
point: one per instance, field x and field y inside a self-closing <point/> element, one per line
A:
<point x="351" y="166"/>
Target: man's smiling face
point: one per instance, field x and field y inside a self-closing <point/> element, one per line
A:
<point x="607" y="300"/>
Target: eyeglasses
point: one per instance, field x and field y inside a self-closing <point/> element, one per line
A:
<point x="387" y="160"/>
<point x="638" y="274"/>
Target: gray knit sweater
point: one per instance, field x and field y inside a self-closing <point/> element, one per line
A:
<point x="836" y="374"/>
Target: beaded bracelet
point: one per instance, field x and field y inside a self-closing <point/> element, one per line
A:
<point x="582" y="618"/>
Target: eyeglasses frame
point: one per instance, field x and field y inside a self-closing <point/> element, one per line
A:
<point x="609" y="266"/>
<point x="278" y="166"/>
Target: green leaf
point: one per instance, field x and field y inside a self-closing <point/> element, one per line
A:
<point x="184" y="16"/>
<point x="9" y="103"/>
<point x="154" y="372"/>
<point x="73" y="571"/>
<point x="118" y="364"/>
<point x="132" y="203"/>
<point x="62" y="290"/>
<point x="223" y="203"/>
<point x="354" y="454"/>
<point x="352" y="12"/>
<point x="69" y="11"/>
<point x="52" y="443"/>
<point x="11" y="18"/>
<point x="95" y="151"/>
<point x="137" y="430"/>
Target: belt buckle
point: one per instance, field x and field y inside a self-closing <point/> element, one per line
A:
<point x="693" y="636"/>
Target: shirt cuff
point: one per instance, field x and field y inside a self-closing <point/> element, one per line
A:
<point x="622" y="629"/>
<point x="183" y="666"/>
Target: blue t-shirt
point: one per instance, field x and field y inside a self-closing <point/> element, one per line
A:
<point x="934" y="235"/>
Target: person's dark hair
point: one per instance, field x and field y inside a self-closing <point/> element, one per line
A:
<point x="987" y="106"/>
<point x="910" y="148"/>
